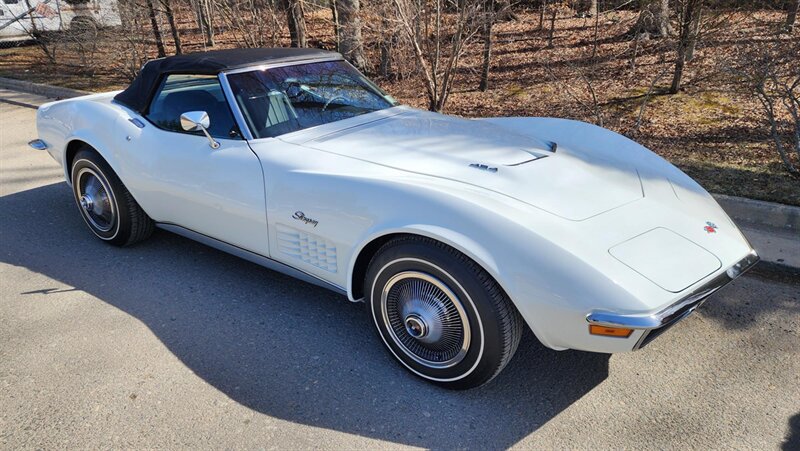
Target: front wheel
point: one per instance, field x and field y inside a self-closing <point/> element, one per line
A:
<point x="440" y="314"/>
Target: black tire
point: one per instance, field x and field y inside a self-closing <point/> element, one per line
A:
<point x="440" y="314"/>
<point x="105" y="204"/>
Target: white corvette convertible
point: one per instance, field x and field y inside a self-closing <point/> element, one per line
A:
<point x="454" y="232"/>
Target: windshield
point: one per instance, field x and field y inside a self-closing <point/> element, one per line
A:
<point x="286" y="99"/>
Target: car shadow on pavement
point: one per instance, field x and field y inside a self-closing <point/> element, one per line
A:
<point x="283" y="347"/>
<point x="792" y="441"/>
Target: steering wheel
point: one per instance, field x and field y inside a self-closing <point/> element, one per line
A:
<point x="331" y="100"/>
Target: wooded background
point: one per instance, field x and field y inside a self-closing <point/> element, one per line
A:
<point x="714" y="86"/>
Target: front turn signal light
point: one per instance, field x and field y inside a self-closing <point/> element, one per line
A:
<point x="610" y="331"/>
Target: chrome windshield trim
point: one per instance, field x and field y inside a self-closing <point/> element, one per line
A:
<point x="283" y="63"/>
<point x="679" y="309"/>
<point x="234" y="105"/>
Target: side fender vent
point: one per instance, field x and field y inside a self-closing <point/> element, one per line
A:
<point x="306" y="247"/>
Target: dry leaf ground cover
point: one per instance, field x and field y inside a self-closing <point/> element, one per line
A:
<point x="710" y="130"/>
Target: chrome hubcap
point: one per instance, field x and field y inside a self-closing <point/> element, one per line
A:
<point x="425" y="319"/>
<point x="87" y="203"/>
<point x="94" y="198"/>
<point x="416" y="327"/>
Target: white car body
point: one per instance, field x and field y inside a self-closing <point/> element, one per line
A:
<point x="596" y="230"/>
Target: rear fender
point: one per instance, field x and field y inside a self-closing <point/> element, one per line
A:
<point x="97" y="143"/>
<point x="62" y="124"/>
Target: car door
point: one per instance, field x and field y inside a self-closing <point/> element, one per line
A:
<point x="315" y="216"/>
<point x="179" y="178"/>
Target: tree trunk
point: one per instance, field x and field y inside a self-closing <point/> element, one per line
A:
<point x="541" y="14"/>
<point x="653" y="19"/>
<point x="386" y="44"/>
<point x="694" y="35"/>
<point x="487" y="46"/>
<point x="351" y="45"/>
<point x="587" y="8"/>
<point x="208" y="25"/>
<point x="176" y="37"/>
<point x="552" y="28"/>
<point x="689" y="18"/>
<point x="156" y="32"/>
<point x="504" y="11"/>
<point x="661" y="15"/>
<point x="297" y="22"/>
<point x="791" y="17"/>
<point x="336" y="31"/>
<point x="34" y="28"/>
<point x="198" y="16"/>
<point x="677" y="76"/>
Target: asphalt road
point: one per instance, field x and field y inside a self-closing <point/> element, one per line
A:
<point x="170" y="344"/>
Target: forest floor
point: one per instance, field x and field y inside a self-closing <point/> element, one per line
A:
<point x="711" y="130"/>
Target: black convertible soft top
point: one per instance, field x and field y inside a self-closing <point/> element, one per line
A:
<point x="137" y="95"/>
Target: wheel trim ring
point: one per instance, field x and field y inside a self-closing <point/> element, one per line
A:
<point x="74" y="179"/>
<point x="403" y="342"/>
<point x="467" y="298"/>
<point x="80" y="191"/>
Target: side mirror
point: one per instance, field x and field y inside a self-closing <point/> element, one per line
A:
<point x="194" y="121"/>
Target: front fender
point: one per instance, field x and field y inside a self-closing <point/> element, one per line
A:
<point x="543" y="280"/>
<point x="456" y="240"/>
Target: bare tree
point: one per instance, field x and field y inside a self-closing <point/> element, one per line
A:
<point x="791" y="16"/>
<point x="488" y="22"/>
<point x="387" y="44"/>
<point x="176" y="37"/>
<point x="351" y="45"/>
<point x="689" y="27"/>
<point x="439" y="48"/>
<point x="204" y="20"/>
<point x="151" y="11"/>
<point x="694" y="34"/>
<point x="335" y="17"/>
<point x="654" y="19"/>
<point x="542" y="8"/>
<point x="552" y="32"/>
<point x="133" y="46"/>
<point x="771" y="74"/>
<point x="587" y="8"/>
<point x="504" y="11"/>
<point x="295" y="17"/>
<point x="252" y="23"/>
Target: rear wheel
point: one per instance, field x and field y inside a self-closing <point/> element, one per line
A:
<point x="105" y="204"/>
<point x="440" y="314"/>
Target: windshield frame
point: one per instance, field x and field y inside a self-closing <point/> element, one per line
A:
<point x="235" y="107"/>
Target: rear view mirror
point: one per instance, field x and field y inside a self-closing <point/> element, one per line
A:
<point x="193" y="121"/>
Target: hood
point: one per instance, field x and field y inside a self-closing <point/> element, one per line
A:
<point x="540" y="173"/>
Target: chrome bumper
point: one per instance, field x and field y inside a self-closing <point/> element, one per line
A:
<point x="656" y="323"/>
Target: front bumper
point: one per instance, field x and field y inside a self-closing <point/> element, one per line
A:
<point x="654" y="324"/>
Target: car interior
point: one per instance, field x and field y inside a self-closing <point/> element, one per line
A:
<point x="183" y="93"/>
